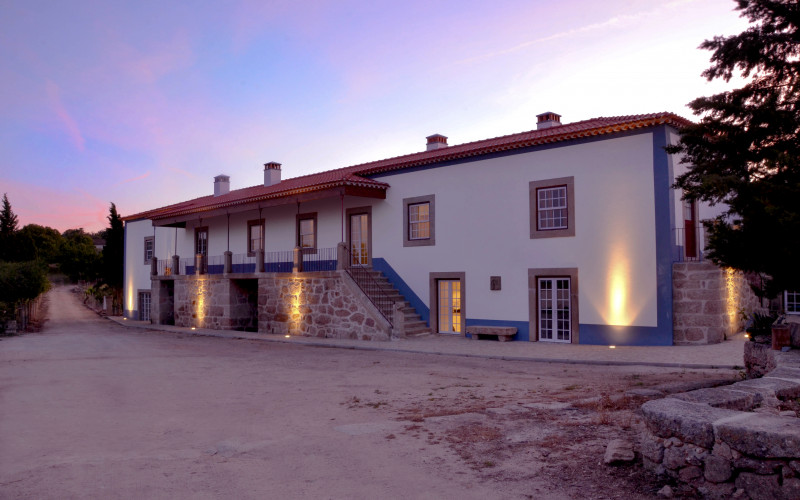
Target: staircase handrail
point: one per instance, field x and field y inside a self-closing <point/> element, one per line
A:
<point x="371" y="288"/>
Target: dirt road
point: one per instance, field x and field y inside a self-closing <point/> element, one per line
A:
<point x="89" y="409"/>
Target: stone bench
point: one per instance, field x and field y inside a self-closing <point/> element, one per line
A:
<point x="503" y="333"/>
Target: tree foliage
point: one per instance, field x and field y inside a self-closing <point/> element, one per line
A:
<point x="22" y="281"/>
<point x="114" y="250"/>
<point x="80" y="260"/>
<point x="745" y="150"/>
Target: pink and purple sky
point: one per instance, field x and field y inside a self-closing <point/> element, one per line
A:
<point x="143" y="102"/>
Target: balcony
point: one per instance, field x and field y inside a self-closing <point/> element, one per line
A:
<point x="320" y="259"/>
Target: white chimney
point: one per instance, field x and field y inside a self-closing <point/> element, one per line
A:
<point x="547" y="120"/>
<point x="222" y="185"/>
<point x="436" y="141"/>
<point x="272" y="173"/>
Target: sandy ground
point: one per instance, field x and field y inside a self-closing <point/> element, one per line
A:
<point x="90" y="409"/>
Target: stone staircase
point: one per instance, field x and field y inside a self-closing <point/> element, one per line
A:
<point x="414" y="326"/>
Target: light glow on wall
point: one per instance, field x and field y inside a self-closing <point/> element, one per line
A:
<point x="296" y="316"/>
<point x="732" y="300"/>
<point x="618" y="311"/>
<point x="200" y="301"/>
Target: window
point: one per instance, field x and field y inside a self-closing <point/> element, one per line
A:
<point x="552" y="207"/>
<point x="553" y="304"/>
<point x="255" y="236"/>
<point x="307" y="231"/>
<point x="419" y="221"/>
<point x="149" y="244"/>
<point x="201" y="241"/>
<point x="792" y="302"/>
<point x="144" y="306"/>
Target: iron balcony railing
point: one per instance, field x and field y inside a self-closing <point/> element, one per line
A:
<point x="688" y="243"/>
<point x="320" y="259"/>
<point x="375" y="292"/>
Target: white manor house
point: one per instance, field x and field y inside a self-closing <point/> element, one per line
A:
<point x="567" y="233"/>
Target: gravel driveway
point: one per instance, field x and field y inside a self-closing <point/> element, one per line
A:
<point x="90" y="409"/>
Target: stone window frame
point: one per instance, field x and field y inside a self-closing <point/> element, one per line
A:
<point x="433" y="298"/>
<point x="533" y="299"/>
<point x="416" y="200"/>
<point x="307" y="216"/>
<point x="533" y="188"/>
<point x="250" y="225"/>
<point x="358" y="211"/>
<point x="152" y="241"/>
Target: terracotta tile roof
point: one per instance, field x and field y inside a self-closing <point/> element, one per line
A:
<point x="356" y="174"/>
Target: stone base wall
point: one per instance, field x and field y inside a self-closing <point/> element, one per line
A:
<point x="707" y="302"/>
<point x="317" y="305"/>
<point x="321" y="304"/>
<point x="730" y="441"/>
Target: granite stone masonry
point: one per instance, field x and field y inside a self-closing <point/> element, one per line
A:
<point x="707" y="302"/>
<point x="319" y="304"/>
<point x="730" y="441"/>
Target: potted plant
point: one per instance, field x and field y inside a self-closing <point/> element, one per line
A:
<point x="781" y="334"/>
<point x="759" y="327"/>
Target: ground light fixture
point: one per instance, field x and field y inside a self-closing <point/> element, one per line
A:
<point x="287" y="336"/>
<point x="612" y="347"/>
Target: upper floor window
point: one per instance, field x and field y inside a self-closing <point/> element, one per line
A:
<point x="419" y="221"/>
<point x="552" y="207"/>
<point x="149" y="245"/>
<point x="307" y="231"/>
<point x="551" y="210"/>
<point x="255" y="236"/>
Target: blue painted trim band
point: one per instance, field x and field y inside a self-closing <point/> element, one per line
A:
<point x="380" y="264"/>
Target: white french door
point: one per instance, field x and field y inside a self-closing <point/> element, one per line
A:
<point x="449" y="305"/>
<point x="144" y="306"/>
<point x="359" y="239"/>
<point x="555" y="323"/>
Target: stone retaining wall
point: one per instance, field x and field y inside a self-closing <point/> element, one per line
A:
<point x="707" y="302"/>
<point x="317" y="305"/>
<point x="321" y="304"/>
<point x="730" y="441"/>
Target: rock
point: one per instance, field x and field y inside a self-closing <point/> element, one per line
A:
<point x="688" y="473"/>
<point x="644" y="393"/>
<point x="619" y="451"/>
<point x="759" y="487"/>
<point x="665" y="492"/>
<point x="691" y="422"/>
<point x="717" y="469"/>
<point x="651" y="447"/>
<point x="674" y="458"/>
<point x="761" y="436"/>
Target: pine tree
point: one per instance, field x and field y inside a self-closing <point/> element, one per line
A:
<point x="8" y="227"/>
<point x="745" y="150"/>
<point x="114" y="250"/>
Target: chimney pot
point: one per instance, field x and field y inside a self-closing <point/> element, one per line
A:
<point x="547" y="120"/>
<point x="436" y="141"/>
<point x="272" y="173"/>
<point x="222" y="185"/>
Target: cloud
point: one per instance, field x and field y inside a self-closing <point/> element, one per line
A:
<point x="67" y="121"/>
<point x="133" y="179"/>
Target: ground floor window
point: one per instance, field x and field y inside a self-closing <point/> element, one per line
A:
<point x="792" y="302"/>
<point x="553" y="304"/>
<point x="144" y="306"/>
<point x="448" y="300"/>
<point x="554" y="309"/>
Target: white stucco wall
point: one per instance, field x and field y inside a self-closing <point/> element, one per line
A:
<point x="482" y="226"/>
